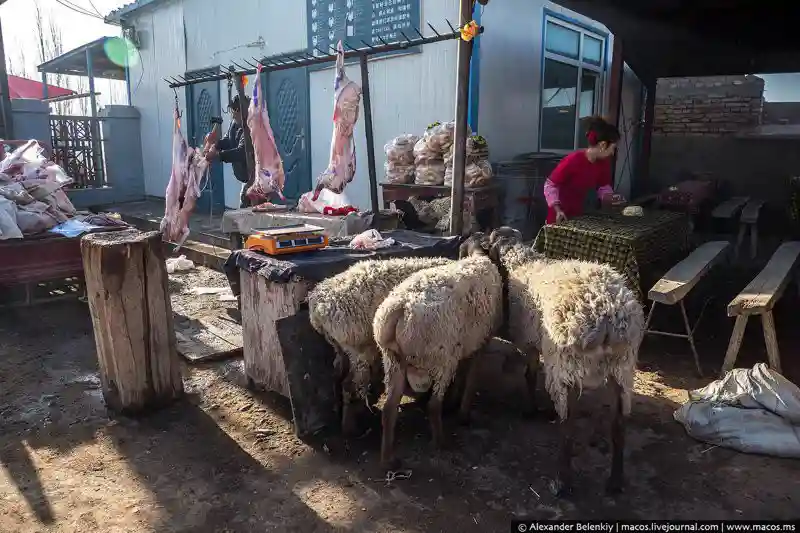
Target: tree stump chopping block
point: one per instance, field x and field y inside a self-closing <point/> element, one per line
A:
<point x="126" y="284"/>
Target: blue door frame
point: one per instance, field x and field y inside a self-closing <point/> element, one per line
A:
<point x="203" y="103"/>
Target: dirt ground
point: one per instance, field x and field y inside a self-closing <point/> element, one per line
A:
<point x="226" y="459"/>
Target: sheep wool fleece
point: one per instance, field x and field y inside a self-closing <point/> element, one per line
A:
<point x="437" y="317"/>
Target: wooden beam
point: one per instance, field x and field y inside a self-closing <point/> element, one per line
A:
<point x="614" y="101"/>
<point x="642" y="178"/>
<point x="460" y="135"/>
<point x="370" y="134"/>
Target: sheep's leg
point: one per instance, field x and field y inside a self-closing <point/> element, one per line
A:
<point x="395" y="385"/>
<point x="531" y="374"/>
<point x="435" y="419"/>
<point x="615" y="480"/>
<point x="469" y="390"/>
<point x="563" y="483"/>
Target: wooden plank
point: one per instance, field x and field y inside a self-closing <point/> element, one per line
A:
<point x="734" y="344"/>
<point x="730" y="208"/>
<point x="751" y="211"/>
<point x="767" y="288"/>
<point x="200" y="340"/>
<point x="313" y="385"/>
<point x="682" y="278"/>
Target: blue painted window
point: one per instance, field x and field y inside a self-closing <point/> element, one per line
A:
<point x="572" y="82"/>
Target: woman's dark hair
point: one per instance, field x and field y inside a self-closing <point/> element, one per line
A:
<point x="600" y="130"/>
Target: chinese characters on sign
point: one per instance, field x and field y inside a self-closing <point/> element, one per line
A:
<point x="355" y="21"/>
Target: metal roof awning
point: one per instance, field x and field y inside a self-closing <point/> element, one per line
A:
<point x="75" y="62"/>
<point x="675" y="38"/>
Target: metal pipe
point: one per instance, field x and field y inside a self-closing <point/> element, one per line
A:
<point x="373" y="174"/>
<point x="460" y="134"/>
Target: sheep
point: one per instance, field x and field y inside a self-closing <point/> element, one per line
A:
<point x="430" y="323"/>
<point x="587" y="324"/>
<point x="341" y="308"/>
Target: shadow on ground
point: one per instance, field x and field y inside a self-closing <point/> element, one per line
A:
<point x="226" y="459"/>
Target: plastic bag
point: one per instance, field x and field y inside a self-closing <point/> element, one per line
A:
<point x="400" y="173"/>
<point x="370" y="240"/>
<point x="423" y="153"/>
<point x="28" y="162"/>
<point x="327" y="198"/>
<point x="400" y="150"/>
<point x="430" y="173"/>
<point x="476" y="174"/>
<point x="8" y="220"/>
<point x="179" y="264"/>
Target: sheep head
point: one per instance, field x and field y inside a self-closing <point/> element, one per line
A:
<point x="477" y="243"/>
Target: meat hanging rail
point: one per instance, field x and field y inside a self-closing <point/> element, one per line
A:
<point x="305" y="59"/>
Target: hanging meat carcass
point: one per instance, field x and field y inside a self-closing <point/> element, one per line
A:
<point x="269" y="165"/>
<point x="346" y="100"/>
<point x="189" y="166"/>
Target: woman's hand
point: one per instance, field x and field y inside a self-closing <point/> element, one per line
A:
<point x="560" y="216"/>
<point x="212" y="153"/>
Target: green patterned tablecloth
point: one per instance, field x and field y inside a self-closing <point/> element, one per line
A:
<point x="625" y="242"/>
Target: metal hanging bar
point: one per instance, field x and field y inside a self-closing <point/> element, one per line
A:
<point x="287" y="62"/>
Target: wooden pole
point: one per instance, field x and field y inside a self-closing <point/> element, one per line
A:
<point x="615" y="96"/>
<point x="373" y="174"/>
<point x="460" y="135"/>
<point x="126" y="284"/>
<point x="5" y="99"/>
<point x="643" y="164"/>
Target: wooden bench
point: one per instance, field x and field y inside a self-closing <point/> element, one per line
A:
<point x="749" y="220"/>
<point x="730" y="209"/>
<point x="676" y="284"/>
<point x="758" y="298"/>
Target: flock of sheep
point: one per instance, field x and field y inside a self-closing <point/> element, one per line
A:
<point x="408" y="326"/>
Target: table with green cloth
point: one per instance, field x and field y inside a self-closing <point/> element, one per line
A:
<point x="627" y="243"/>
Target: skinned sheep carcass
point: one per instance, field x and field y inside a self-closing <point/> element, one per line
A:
<point x="189" y="167"/>
<point x="342" y="166"/>
<point x="342" y="309"/>
<point x="587" y="324"/>
<point x="269" y="174"/>
<point x="430" y="323"/>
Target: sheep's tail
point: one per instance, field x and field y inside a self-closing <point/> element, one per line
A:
<point x="614" y="329"/>
<point x="385" y="326"/>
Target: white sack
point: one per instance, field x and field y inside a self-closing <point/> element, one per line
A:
<point x="750" y="410"/>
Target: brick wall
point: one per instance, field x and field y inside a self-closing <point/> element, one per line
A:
<point x="711" y="106"/>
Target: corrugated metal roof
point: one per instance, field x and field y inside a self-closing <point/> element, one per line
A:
<point x="119" y="14"/>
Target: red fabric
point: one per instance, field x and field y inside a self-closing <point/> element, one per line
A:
<point x="574" y="177"/>
<point x="339" y="211"/>
<point x="25" y="88"/>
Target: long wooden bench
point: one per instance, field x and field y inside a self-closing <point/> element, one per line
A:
<point x="758" y="298"/>
<point x="676" y="284"/>
<point x="749" y="221"/>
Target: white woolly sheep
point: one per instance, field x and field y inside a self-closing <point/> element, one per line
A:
<point x="587" y="324"/>
<point x="429" y="324"/>
<point x="342" y="308"/>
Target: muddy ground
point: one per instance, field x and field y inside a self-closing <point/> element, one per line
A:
<point x="226" y="459"/>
